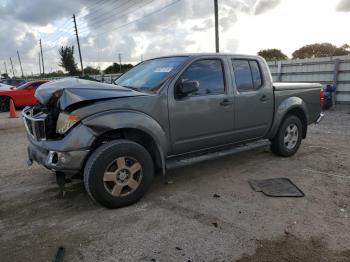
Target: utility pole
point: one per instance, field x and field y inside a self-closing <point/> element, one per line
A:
<point x="216" y="26"/>
<point x="120" y="62"/>
<point x="5" y="68"/>
<point x="76" y="33"/>
<point x="19" y="59"/>
<point x="13" y="71"/>
<point x="42" y="58"/>
<point x="39" y="65"/>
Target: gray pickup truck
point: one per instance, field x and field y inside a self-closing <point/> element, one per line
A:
<point x="164" y="113"/>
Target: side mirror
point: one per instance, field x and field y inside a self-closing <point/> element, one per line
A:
<point x="187" y="87"/>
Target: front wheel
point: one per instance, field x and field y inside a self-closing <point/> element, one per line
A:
<point x="288" y="138"/>
<point x="4" y="104"/>
<point x="118" y="173"/>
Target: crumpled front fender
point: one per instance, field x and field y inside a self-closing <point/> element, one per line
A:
<point x="103" y="122"/>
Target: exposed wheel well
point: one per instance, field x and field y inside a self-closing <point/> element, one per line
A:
<point x="137" y="136"/>
<point x="9" y="97"/>
<point x="301" y="115"/>
<point x="6" y="96"/>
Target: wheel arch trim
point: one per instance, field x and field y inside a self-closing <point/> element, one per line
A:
<point x="288" y="106"/>
<point x="115" y="120"/>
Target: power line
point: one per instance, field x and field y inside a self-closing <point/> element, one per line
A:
<point x="96" y="17"/>
<point x="68" y="36"/>
<point x="64" y="29"/>
<point x="66" y="33"/>
<point x="104" y="21"/>
<point x="59" y="36"/>
<point x="102" y="7"/>
<point x="98" y="3"/>
<point x="141" y="18"/>
<point x="55" y="35"/>
<point x="69" y="40"/>
<point x="67" y="22"/>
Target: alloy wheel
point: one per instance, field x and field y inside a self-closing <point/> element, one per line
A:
<point x="122" y="176"/>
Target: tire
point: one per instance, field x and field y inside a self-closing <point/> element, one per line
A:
<point x="285" y="143"/>
<point x="4" y="104"/>
<point x="118" y="173"/>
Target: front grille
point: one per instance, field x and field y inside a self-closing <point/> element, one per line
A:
<point x="35" y="123"/>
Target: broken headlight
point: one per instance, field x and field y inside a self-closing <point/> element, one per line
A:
<point x="65" y="122"/>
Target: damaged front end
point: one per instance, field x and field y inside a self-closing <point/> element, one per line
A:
<point x="40" y="121"/>
<point x="50" y="149"/>
<point x="58" y="138"/>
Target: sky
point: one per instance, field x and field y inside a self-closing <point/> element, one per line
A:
<point x="138" y="29"/>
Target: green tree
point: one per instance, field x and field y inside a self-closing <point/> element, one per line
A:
<point x="115" y="68"/>
<point x="321" y="50"/>
<point x="89" y="70"/>
<point x="272" y="54"/>
<point x="67" y="60"/>
<point x="5" y="75"/>
<point x="58" y="73"/>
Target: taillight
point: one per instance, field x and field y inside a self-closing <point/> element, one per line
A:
<point x="321" y="97"/>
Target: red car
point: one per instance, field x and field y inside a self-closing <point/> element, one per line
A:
<point x="22" y="95"/>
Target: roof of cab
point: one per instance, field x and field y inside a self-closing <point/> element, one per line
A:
<point x="208" y="54"/>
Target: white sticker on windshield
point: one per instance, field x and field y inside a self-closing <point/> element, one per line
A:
<point x="163" y="69"/>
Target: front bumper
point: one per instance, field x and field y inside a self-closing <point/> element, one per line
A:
<point x="57" y="161"/>
<point x="66" y="154"/>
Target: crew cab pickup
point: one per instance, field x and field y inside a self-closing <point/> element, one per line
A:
<point x="164" y="113"/>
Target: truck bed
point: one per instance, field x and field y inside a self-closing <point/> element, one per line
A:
<point x="309" y="93"/>
<point x="279" y="86"/>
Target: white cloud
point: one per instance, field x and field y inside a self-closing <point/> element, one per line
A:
<point x="246" y="26"/>
<point x="262" y="6"/>
<point x="343" y="6"/>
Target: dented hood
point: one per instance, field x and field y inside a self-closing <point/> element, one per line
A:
<point x="73" y="90"/>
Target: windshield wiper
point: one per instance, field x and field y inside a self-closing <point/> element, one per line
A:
<point x="131" y="87"/>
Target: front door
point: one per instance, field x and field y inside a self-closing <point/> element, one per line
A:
<point x="205" y="118"/>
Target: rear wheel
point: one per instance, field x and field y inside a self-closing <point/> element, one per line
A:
<point x="288" y="138"/>
<point x="118" y="173"/>
<point x="4" y="104"/>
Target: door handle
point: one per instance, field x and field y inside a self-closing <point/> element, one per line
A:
<point x="263" y="98"/>
<point x="226" y="102"/>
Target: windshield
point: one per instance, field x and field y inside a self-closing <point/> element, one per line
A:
<point x="149" y="75"/>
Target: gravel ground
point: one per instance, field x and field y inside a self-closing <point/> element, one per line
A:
<point x="180" y="219"/>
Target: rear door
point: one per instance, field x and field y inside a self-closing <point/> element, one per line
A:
<point x="254" y="102"/>
<point x="206" y="118"/>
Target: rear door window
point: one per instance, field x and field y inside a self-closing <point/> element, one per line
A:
<point x="254" y="67"/>
<point x="243" y="75"/>
<point x="247" y="74"/>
